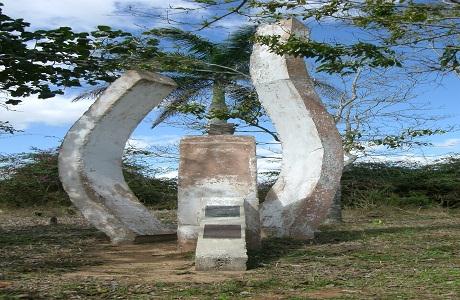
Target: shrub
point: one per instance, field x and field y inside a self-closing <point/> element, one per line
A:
<point x="160" y="193"/>
<point x="402" y="184"/>
<point x="31" y="179"/>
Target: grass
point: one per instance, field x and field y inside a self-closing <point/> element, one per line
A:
<point x="386" y="253"/>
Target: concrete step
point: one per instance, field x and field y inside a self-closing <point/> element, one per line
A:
<point x="222" y="239"/>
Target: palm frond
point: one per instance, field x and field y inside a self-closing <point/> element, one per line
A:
<point x="246" y="102"/>
<point x="239" y="92"/>
<point x="327" y="89"/>
<point x="240" y="42"/>
<point x="90" y="94"/>
<point x="185" y="93"/>
<point x="177" y="62"/>
<point x="190" y="42"/>
<point x="236" y="50"/>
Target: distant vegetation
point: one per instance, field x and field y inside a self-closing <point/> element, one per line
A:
<point x="399" y="184"/>
<point x="31" y="179"/>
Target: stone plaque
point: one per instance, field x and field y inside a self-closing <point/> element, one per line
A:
<point x="217" y="211"/>
<point x="222" y="231"/>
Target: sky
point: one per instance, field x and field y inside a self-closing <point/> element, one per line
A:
<point x="45" y="122"/>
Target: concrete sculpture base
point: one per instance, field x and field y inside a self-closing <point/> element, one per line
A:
<point x="222" y="237"/>
<point x="312" y="148"/>
<point x="90" y="159"/>
<point x="219" y="167"/>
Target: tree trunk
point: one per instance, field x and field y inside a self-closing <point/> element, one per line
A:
<point x="218" y="104"/>
<point x="218" y="125"/>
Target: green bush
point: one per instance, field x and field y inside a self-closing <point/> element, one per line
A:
<point x="154" y="192"/>
<point x="396" y="184"/>
<point x="31" y="179"/>
<point x="402" y="184"/>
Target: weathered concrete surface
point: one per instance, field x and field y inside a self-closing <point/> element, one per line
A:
<point x="222" y="242"/>
<point x="90" y="158"/>
<point x="334" y="215"/>
<point x="212" y="169"/>
<point x="312" y="150"/>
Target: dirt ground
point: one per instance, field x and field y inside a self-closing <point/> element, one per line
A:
<point x="385" y="253"/>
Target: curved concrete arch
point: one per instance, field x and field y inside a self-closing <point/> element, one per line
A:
<point x="312" y="149"/>
<point x="90" y="158"/>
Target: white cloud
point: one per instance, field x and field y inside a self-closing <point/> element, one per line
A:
<point x="145" y="142"/>
<point x="269" y="159"/>
<point x="273" y="151"/>
<point x="137" y="144"/>
<point x="405" y="158"/>
<point x="449" y="143"/>
<point x="56" y="111"/>
<point x="168" y="175"/>
<point x="82" y="14"/>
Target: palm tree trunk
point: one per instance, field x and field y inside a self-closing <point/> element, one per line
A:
<point x="218" y="125"/>
<point x="218" y="105"/>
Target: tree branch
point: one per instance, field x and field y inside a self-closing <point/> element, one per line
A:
<point x="217" y="19"/>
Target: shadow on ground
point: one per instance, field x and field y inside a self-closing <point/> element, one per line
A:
<point x="46" y="248"/>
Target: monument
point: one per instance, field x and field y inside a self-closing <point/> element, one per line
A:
<point x="217" y="170"/>
<point x="218" y="208"/>
<point x="90" y="157"/>
<point x="312" y="159"/>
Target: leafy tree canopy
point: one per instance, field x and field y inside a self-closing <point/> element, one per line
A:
<point x="202" y="67"/>
<point x="44" y="62"/>
<point x="393" y="31"/>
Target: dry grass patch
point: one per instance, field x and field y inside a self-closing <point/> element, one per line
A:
<point x="387" y="253"/>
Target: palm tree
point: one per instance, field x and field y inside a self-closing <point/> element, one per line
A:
<point x="200" y="66"/>
<point x="215" y="70"/>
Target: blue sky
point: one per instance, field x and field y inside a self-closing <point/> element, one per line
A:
<point x="45" y="122"/>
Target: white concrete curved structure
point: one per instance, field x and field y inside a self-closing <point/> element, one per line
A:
<point x="90" y="159"/>
<point x="312" y="149"/>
